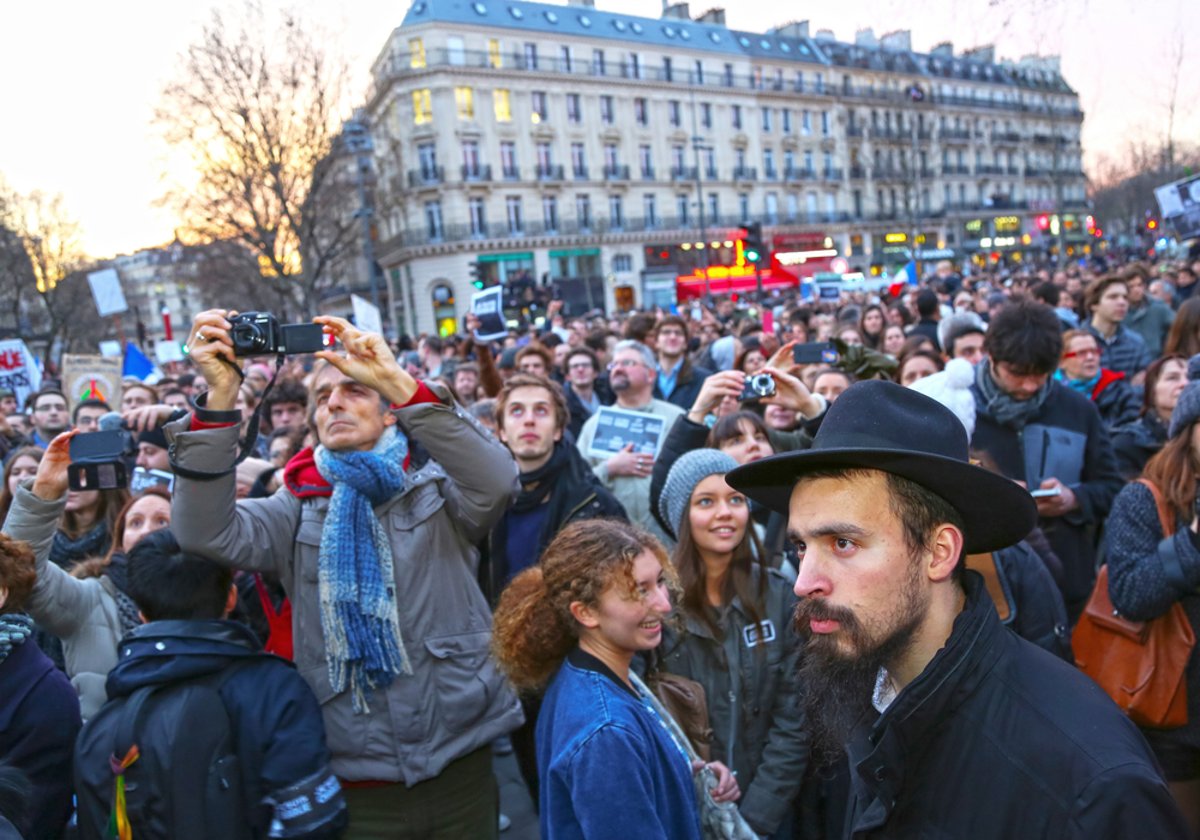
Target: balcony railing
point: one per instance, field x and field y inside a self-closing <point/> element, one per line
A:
<point x="1006" y="137"/>
<point x="647" y="173"/>
<point x="683" y="173"/>
<point x="547" y="172"/>
<point x="579" y="173"/>
<point x="831" y="174"/>
<point x="958" y="134"/>
<point x="745" y="173"/>
<point x="983" y="169"/>
<point x="956" y="170"/>
<point x="426" y="176"/>
<point x="794" y="174"/>
<point x="858" y="173"/>
<point x="616" y="173"/>
<point x="476" y="172"/>
<point x="511" y="173"/>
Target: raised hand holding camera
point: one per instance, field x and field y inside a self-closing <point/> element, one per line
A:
<point x="210" y="348"/>
<point x="368" y="360"/>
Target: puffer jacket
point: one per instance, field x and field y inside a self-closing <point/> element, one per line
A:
<point x="1134" y="444"/>
<point x="83" y="613"/>
<point x="456" y="700"/>
<point x="749" y="674"/>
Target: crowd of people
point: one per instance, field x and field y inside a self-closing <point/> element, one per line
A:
<point x="834" y="596"/>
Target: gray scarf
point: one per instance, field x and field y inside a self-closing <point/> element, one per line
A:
<point x="14" y="630"/>
<point x="992" y="402"/>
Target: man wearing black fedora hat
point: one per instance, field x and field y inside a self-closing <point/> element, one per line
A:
<point x="953" y="725"/>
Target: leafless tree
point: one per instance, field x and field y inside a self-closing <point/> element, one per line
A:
<point x="257" y="107"/>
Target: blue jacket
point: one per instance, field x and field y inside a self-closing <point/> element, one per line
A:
<point x="39" y="719"/>
<point x="275" y="717"/>
<point x="608" y="766"/>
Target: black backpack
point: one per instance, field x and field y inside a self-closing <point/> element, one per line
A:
<point x="185" y="782"/>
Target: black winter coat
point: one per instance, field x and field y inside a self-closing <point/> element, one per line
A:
<point x="39" y="719"/>
<point x="687" y="385"/>
<point x="277" y="724"/>
<point x="1036" y="610"/>
<point x="1134" y="444"/>
<point x="998" y="739"/>
<point x="1066" y="440"/>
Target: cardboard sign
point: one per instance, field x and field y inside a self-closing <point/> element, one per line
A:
<point x="19" y="372"/>
<point x="616" y="428"/>
<point x="366" y="315"/>
<point x="166" y="352"/>
<point x="488" y="307"/>
<point x="106" y="292"/>
<point x="92" y="377"/>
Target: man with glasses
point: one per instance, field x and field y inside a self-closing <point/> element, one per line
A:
<point x="585" y="389"/>
<point x="86" y="416"/>
<point x="678" y="381"/>
<point x="50" y="416"/>
<point x="632" y="374"/>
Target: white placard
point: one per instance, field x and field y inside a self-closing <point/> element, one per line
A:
<point x="19" y="372"/>
<point x="106" y="292"/>
<point x="110" y="348"/>
<point x="168" y="351"/>
<point x="366" y="315"/>
<point x="488" y="307"/>
<point x="617" y="427"/>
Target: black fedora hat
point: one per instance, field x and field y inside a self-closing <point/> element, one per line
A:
<point x="882" y="426"/>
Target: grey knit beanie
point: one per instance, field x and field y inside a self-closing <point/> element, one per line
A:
<point x="692" y="468"/>
<point x="1187" y="410"/>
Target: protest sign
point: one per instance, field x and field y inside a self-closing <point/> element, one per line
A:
<point x="366" y="315"/>
<point x="166" y="352"/>
<point x="106" y="292"/>
<point x="19" y="372"/>
<point x="1179" y="203"/>
<point x="488" y="307"/>
<point x="616" y="428"/>
<point x="92" y="378"/>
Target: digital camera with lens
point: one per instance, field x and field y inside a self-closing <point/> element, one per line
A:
<point x="102" y="460"/>
<point x="758" y="386"/>
<point x="261" y="334"/>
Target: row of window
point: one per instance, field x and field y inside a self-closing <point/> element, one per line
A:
<point x="515" y="221"/>
<point x="473" y="167"/>
<point x="502" y="110"/>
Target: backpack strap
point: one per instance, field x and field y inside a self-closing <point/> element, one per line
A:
<point x="985" y="564"/>
<point x="1167" y="555"/>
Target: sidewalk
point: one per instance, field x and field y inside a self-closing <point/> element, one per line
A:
<point x="514" y="800"/>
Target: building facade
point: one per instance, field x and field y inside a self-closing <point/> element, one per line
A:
<point x="611" y="155"/>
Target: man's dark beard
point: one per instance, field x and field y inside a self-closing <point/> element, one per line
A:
<point x="836" y="687"/>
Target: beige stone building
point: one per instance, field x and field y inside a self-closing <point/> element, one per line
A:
<point x="611" y="155"/>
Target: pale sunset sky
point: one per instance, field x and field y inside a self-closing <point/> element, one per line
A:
<point x="80" y="79"/>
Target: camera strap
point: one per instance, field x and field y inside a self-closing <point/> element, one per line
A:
<point x="251" y="430"/>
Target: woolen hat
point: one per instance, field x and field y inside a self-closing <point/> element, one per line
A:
<point x="879" y="425"/>
<point x="1187" y="409"/>
<point x="691" y="468"/>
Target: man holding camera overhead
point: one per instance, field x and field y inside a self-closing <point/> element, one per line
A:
<point x="391" y="630"/>
<point x="632" y="375"/>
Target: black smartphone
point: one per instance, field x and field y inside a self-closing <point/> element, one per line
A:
<point x="815" y="352"/>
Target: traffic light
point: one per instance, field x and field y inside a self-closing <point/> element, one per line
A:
<point x="753" y="244"/>
<point x="476" y="277"/>
<point x="1043" y="222"/>
<point x="1152" y="224"/>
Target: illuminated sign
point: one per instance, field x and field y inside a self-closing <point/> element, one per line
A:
<point x="801" y="257"/>
<point x="974" y="226"/>
<point x="895" y="238"/>
<point x="1007" y="224"/>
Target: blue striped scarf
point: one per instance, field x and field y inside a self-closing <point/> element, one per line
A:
<point x="356" y="581"/>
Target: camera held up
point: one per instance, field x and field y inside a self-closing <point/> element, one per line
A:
<point x="261" y="334"/>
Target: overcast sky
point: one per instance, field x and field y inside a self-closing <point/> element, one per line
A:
<point x="80" y="79"/>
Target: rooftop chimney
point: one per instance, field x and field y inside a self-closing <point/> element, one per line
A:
<point x="865" y="38"/>
<point x="678" y="11"/>
<point x="715" y="15"/>
<point x="900" y="40"/>
<point x="985" y="53"/>
<point x="943" y="50"/>
<point x="825" y="35"/>
<point x="795" y="29"/>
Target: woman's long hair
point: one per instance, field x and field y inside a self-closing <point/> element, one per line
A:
<point x="875" y="342"/>
<point x="533" y="629"/>
<point x="6" y="499"/>
<point x="728" y="428"/>
<point x="1173" y="471"/>
<point x="107" y="507"/>
<point x="741" y="581"/>
<point x="1184" y="336"/>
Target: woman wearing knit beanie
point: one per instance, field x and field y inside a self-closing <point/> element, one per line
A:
<point x="735" y="637"/>
<point x="1148" y="571"/>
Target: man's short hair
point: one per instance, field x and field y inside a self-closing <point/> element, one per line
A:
<point x="639" y="327"/>
<point x="466" y="367"/>
<point x="584" y="351"/>
<point x="956" y="326"/>
<point x="45" y="392"/>
<point x="18" y="572"/>
<point x="1025" y="334"/>
<point x="673" y="321"/>
<point x="168" y="583"/>
<point x="1135" y="269"/>
<point x="1048" y="293"/>
<point x="434" y="343"/>
<point x="1096" y="291"/>
<point x="597" y="341"/>
<point x="648" y="357"/>
<point x="535" y="350"/>
<point x="285" y="391"/>
<point x="927" y="303"/>
<point x="529" y="380"/>
<point x="92" y="403"/>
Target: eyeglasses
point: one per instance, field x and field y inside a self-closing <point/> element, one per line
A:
<point x="1084" y="353"/>
<point x="625" y="363"/>
<point x="579" y="365"/>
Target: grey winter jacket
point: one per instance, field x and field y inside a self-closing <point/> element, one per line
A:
<point x="750" y="681"/>
<point x="83" y="613"/>
<point x="456" y="700"/>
